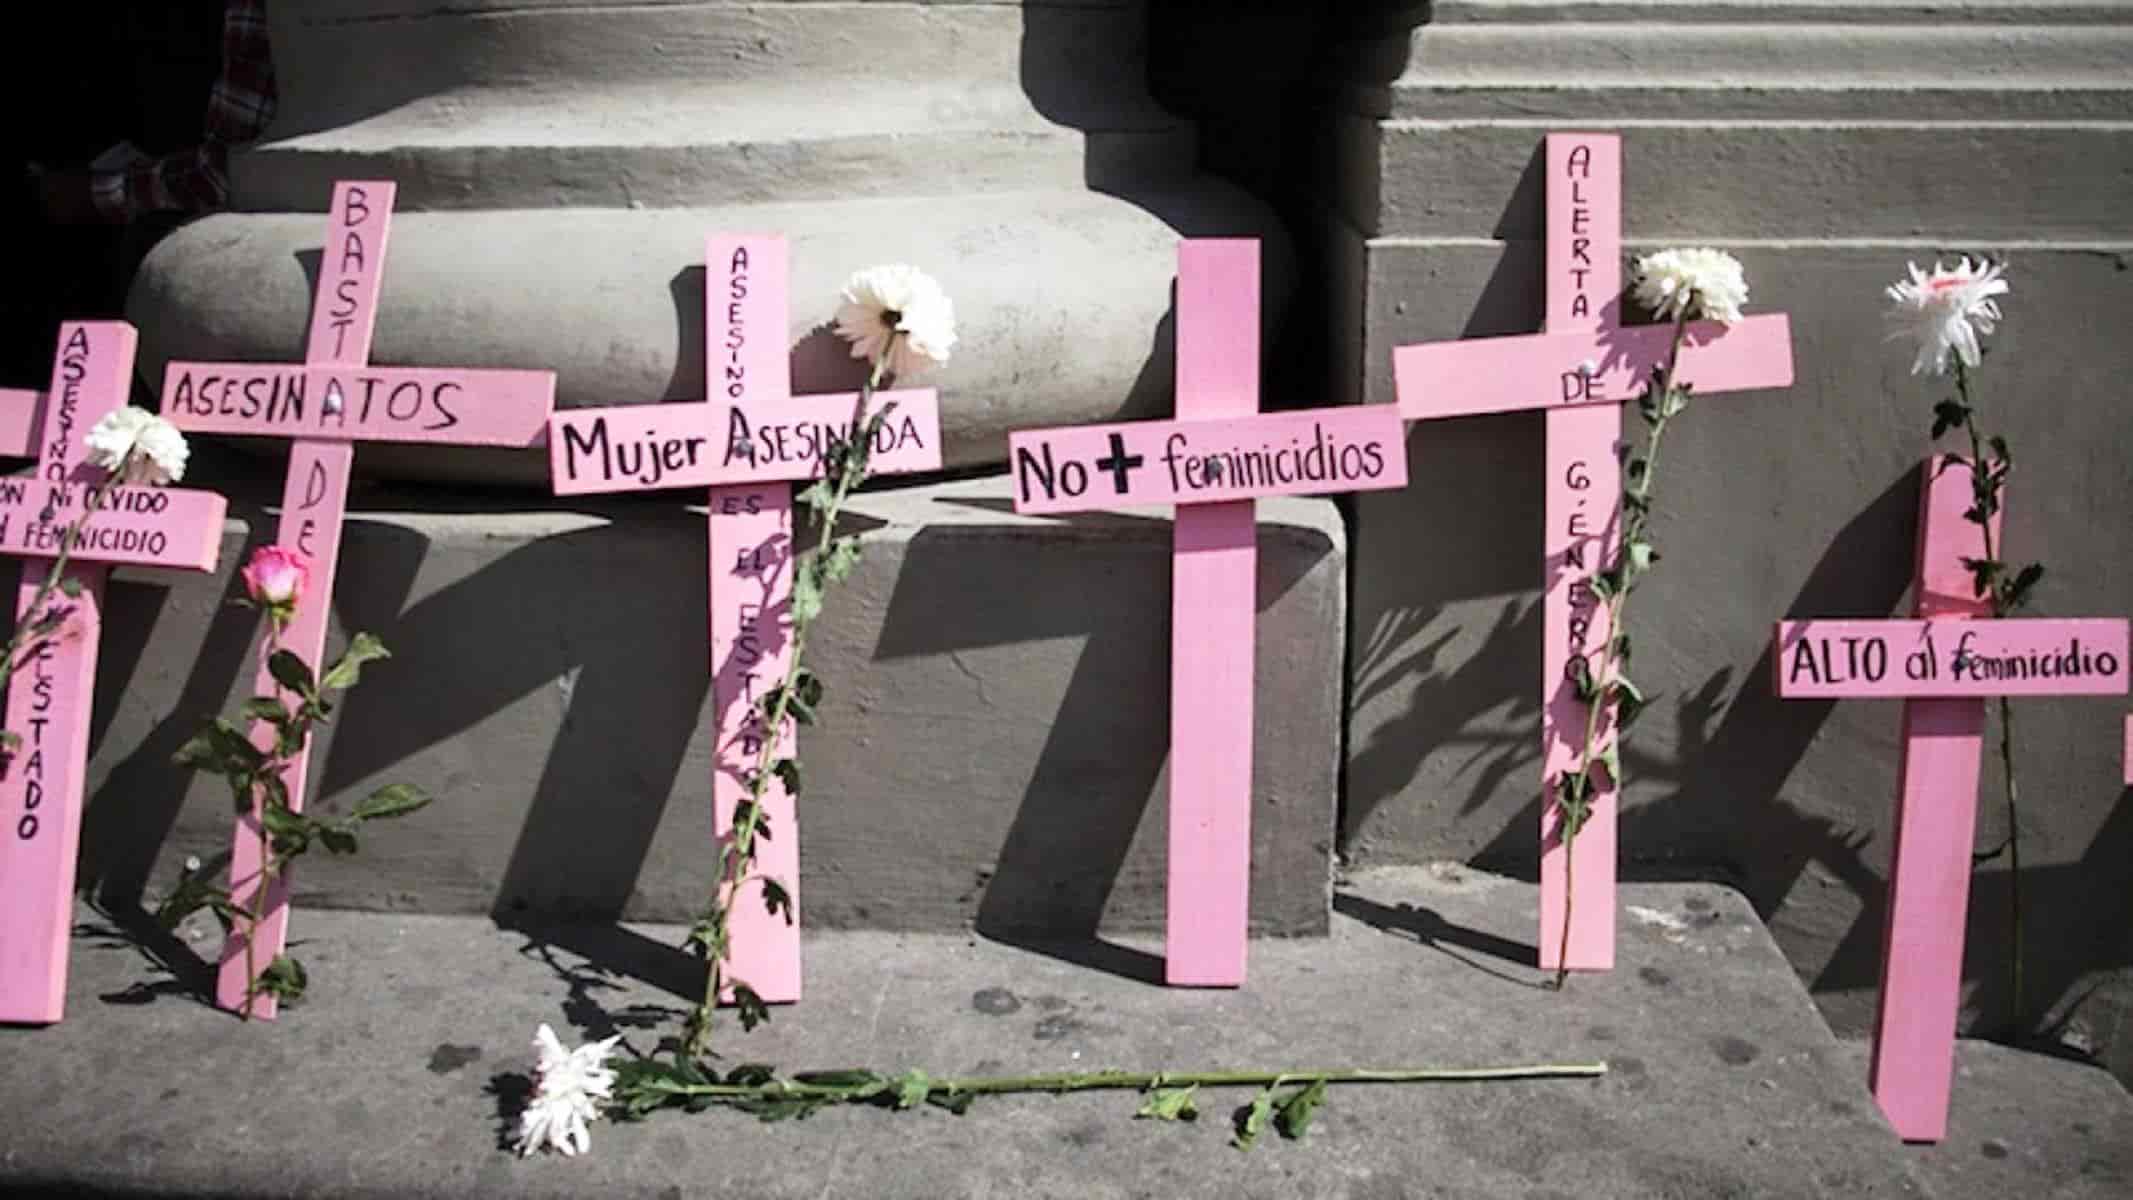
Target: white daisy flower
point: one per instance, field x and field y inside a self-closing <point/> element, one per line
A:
<point x="568" y="1087"/>
<point x="896" y="299"/>
<point x="1945" y="309"/>
<point x="1708" y="282"/>
<point x="138" y="446"/>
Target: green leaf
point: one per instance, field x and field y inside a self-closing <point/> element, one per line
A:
<point x="1999" y="452"/>
<point x="751" y="1075"/>
<point x="838" y="559"/>
<point x="1948" y="414"/>
<point x="912" y="1088"/>
<point x="336" y="839"/>
<point x="750" y="1007"/>
<point x="2016" y="594"/>
<point x="787" y="771"/>
<point x="284" y="979"/>
<point x="10" y="741"/>
<point x="290" y="833"/>
<point x="1171" y="1104"/>
<point x="292" y="672"/>
<point x="777" y="900"/>
<point x="392" y="800"/>
<point x="1251" y="1121"/>
<point x="1982" y="573"/>
<point x="1641" y="555"/>
<point x="265" y="708"/>
<point x="955" y="1102"/>
<point x="70" y="587"/>
<point x="818" y="495"/>
<point x="220" y="747"/>
<point x="806" y="598"/>
<point x="363" y="648"/>
<point x="1296" y="1112"/>
<point x="1581" y="680"/>
<point x="1675" y="402"/>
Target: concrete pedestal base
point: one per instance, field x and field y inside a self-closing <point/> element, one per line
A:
<point x="991" y="752"/>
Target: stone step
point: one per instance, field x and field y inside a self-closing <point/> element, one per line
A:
<point x="998" y="697"/>
<point x="1786" y="179"/>
<point x="2022" y="1124"/>
<point x="1899" y="12"/>
<point x="399" y="1075"/>
<point x="1063" y="299"/>
<point x="637" y="145"/>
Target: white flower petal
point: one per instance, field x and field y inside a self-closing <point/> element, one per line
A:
<point x="1945" y="310"/>
<point x="897" y="311"/>
<point x="1708" y="283"/>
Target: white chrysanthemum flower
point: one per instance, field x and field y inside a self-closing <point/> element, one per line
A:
<point x="1708" y="282"/>
<point x="881" y="302"/>
<point x="568" y="1087"/>
<point x="1945" y="310"/>
<point x="138" y="445"/>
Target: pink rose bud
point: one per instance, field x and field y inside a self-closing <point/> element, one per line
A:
<point x="276" y="577"/>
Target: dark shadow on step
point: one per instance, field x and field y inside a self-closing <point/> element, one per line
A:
<point x="1084" y="821"/>
<point x="1433" y="931"/>
<point x="547" y="615"/>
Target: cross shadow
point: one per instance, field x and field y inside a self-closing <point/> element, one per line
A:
<point x="1086" y="803"/>
<point x="1433" y="931"/>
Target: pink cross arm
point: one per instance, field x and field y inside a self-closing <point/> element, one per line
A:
<point x="1209" y="460"/>
<point x="651" y="447"/>
<point x="21" y="412"/>
<point x="439" y="405"/>
<point x="140" y="526"/>
<point x="1950" y="658"/>
<point x="1606" y="366"/>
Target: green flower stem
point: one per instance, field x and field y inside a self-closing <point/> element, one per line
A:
<point x="1060" y="1084"/>
<point x="267" y="866"/>
<point x="1632" y="528"/>
<point x="739" y="850"/>
<point x="1980" y="479"/>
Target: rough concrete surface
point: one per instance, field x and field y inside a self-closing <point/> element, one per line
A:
<point x="2026" y="1125"/>
<point x="1791" y="503"/>
<point x="991" y="751"/>
<point x="398" y="1077"/>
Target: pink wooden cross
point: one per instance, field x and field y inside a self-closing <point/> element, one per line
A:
<point x="747" y="443"/>
<point x="49" y="698"/>
<point x="1582" y="370"/>
<point x="1211" y="462"/>
<point x="1943" y="665"/>
<point x="325" y="405"/>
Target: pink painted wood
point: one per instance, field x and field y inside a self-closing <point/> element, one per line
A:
<point x="21" y="412"/>
<point x="1950" y="657"/>
<point x="441" y="405"/>
<point x="1556" y="370"/>
<point x="1947" y="661"/>
<point x="1209" y="461"/>
<point x="757" y="439"/>
<point x="1214" y="590"/>
<point x="1581" y="370"/>
<point x="1580" y="535"/>
<point x="748" y="444"/>
<point x="325" y="405"/>
<point x="49" y="701"/>
<point x="1929" y="860"/>
<point x="2128" y="760"/>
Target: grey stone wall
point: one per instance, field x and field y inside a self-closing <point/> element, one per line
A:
<point x="991" y="753"/>
<point x="1824" y="144"/>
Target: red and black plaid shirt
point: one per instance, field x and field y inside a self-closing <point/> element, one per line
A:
<point x="197" y="179"/>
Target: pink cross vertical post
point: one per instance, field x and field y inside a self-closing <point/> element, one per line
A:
<point x="1211" y="463"/>
<point x="48" y="698"/>
<point x="1582" y="370"/>
<point x="747" y="443"/>
<point x="324" y="406"/>
<point x="1943" y="665"/>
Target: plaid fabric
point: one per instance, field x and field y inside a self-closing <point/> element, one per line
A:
<point x="239" y="106"/>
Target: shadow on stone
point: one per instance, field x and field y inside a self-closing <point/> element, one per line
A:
<point x="1433" y="931"/>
